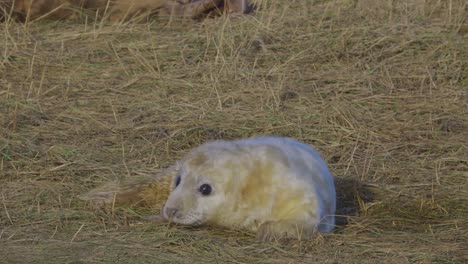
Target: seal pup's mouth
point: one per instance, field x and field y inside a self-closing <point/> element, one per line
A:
<point x="173" y="215"/>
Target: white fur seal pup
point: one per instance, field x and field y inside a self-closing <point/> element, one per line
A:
<point x="277" y="187"/>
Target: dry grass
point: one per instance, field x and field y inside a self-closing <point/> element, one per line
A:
<point x="379" y="87"/>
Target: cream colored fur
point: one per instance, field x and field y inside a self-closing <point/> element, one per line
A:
<point x="277" y="187"/>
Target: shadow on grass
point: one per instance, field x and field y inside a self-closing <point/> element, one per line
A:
<point x="350" y="194"/>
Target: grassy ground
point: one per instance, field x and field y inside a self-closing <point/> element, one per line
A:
<point x="378" y="87"/>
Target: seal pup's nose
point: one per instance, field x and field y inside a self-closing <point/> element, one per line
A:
<point x="170" y="212"/>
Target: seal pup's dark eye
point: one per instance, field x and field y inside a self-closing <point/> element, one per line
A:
<point x="177" y="181"/>
<point x="205" y="189"/>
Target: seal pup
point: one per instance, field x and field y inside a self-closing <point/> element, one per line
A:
<point x="277" y="187"/>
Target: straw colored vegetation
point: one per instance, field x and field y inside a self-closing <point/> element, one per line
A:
<point x="378" y="87"/>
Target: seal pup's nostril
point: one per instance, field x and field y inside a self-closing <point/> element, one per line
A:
<point x="170" y="212"/>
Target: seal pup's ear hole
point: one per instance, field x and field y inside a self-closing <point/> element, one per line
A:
<point x="205" y="189"/>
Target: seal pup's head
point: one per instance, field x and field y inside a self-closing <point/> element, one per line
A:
<point x="201" y="186"/>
